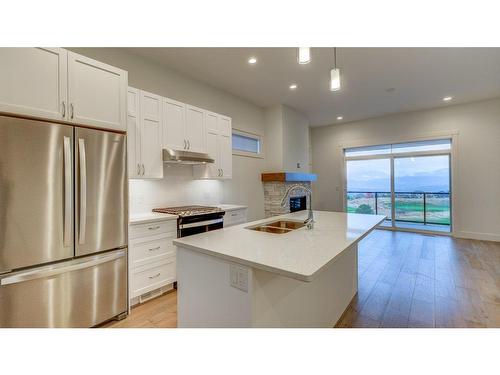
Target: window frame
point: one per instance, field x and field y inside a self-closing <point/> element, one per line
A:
<point x="258" y="137"/>
<point x="398" y="154"/>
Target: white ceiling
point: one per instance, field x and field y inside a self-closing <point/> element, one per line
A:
<point x="421" y="77"/>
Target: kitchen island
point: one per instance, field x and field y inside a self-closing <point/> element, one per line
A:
<point x="242" y="277"/>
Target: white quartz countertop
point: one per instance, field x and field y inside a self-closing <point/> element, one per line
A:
<point x="149" y="217"/>
<point x="299" y="254"/>
<point x="231" y="207"/>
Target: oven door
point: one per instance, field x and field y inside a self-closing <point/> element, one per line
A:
<point x="190" y="227"/>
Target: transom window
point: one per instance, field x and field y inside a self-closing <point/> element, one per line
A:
<point x="246" y="144"/>
<point x="399" y="148"/>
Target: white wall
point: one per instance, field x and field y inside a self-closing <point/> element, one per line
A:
<point x="177" y="187"/>
<point x="477" y="177"/>
<point x="287" y="137"/>
<point x="274" y="139"/>
<point x="295" y="141"/>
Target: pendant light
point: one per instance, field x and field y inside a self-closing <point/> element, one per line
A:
<point x="335" y="74"/>
<point x="304" y="55"/>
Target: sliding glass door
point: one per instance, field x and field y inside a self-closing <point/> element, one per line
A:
<point x="422" y="192"/>
<point x="369" y="186"/>
<point x="408" y="182"/>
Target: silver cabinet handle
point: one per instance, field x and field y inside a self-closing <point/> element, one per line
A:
<point x="63" y="109"/>
<point x="185" y="144"/>
<point x="83" y="190"/>
<point x="143" y="170"/>
<point x="155" y="248"/>
<point x="154" y="228"/>
<point x="155" y="276"/>
<point x="189" y="144"/>
<point x="68" y="193"/>
<point x="138" y="169"/>
<point x="72" y="110"/>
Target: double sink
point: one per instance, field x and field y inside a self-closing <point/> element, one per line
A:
<point x="278" y="226"/>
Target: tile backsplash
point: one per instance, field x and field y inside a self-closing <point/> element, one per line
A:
<point x="177" y="188"/>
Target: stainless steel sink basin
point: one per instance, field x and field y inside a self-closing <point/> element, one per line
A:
<point x="278" y="226"/>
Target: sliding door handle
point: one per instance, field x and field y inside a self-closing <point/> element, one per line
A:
<point x="83" y="190"/>
<point x="68" y="191"/>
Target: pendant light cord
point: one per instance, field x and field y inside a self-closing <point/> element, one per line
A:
<point x="335" y="58"/>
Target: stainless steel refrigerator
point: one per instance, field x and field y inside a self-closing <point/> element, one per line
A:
<point x="63" y="224"/>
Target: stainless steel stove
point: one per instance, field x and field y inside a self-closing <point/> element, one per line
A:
<point x="195" y="219"/>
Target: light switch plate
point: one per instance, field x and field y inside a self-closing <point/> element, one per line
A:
<point x="238" y="277"/>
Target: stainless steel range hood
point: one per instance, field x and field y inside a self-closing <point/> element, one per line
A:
<point x="185" y="157"/>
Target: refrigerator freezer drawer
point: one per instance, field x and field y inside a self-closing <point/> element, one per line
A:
<point x="78" y="293"/>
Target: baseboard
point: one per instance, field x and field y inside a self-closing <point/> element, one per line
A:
<point x="477" y="236"/>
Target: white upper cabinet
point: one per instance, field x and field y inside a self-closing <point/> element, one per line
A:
<point x="96" y="93"/>
<point x="144" y="131"/>
<point x="174" y="123"/>
<point x="226" y="156"/>
<point x="54" y="84"/>
<point x="219" y="147"/>
<point x="133" y="135"/>
<point x="224" y="126"/>
<point x="211" y="122"/>
<point x="151" y="135"/>
<point x="33" y="82"/>
<point x="195" y="129"/>
<point x="183" y="127"/>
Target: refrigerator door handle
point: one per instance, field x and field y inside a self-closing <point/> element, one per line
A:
<point x="57" y="269"/>
<point x="68" y="196"/>
<point x="83" y="190"/>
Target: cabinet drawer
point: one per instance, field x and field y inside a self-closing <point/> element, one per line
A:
<point x="152" y="229"/>
<point x="145" y="279"/>
<point x="235" y="217"/>
<point x="141" y="253"/>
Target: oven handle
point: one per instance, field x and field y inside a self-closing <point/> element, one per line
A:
<point x="201" y="223"/>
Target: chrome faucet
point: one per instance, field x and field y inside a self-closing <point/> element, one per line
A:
<point x="310" y="218"/>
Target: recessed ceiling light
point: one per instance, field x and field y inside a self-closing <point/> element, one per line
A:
<point x="293" y="86"/>
<point x="252" y="60"/>
<point x="340" y="118"/>
<point x="447" y="98"/>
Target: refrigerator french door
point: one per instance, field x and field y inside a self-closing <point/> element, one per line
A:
<point x="100" y="191"/>
<point x="61" y="266"/>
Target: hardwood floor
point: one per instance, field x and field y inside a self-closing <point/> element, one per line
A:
<point x="160" y="312"/>
<point x="405" y="280"/>
<point x="414" y="280"/>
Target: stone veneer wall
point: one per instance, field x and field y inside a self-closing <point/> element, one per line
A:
<point x="274" y="192"/>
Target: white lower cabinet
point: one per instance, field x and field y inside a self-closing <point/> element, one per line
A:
<point x="152" y="259"/>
